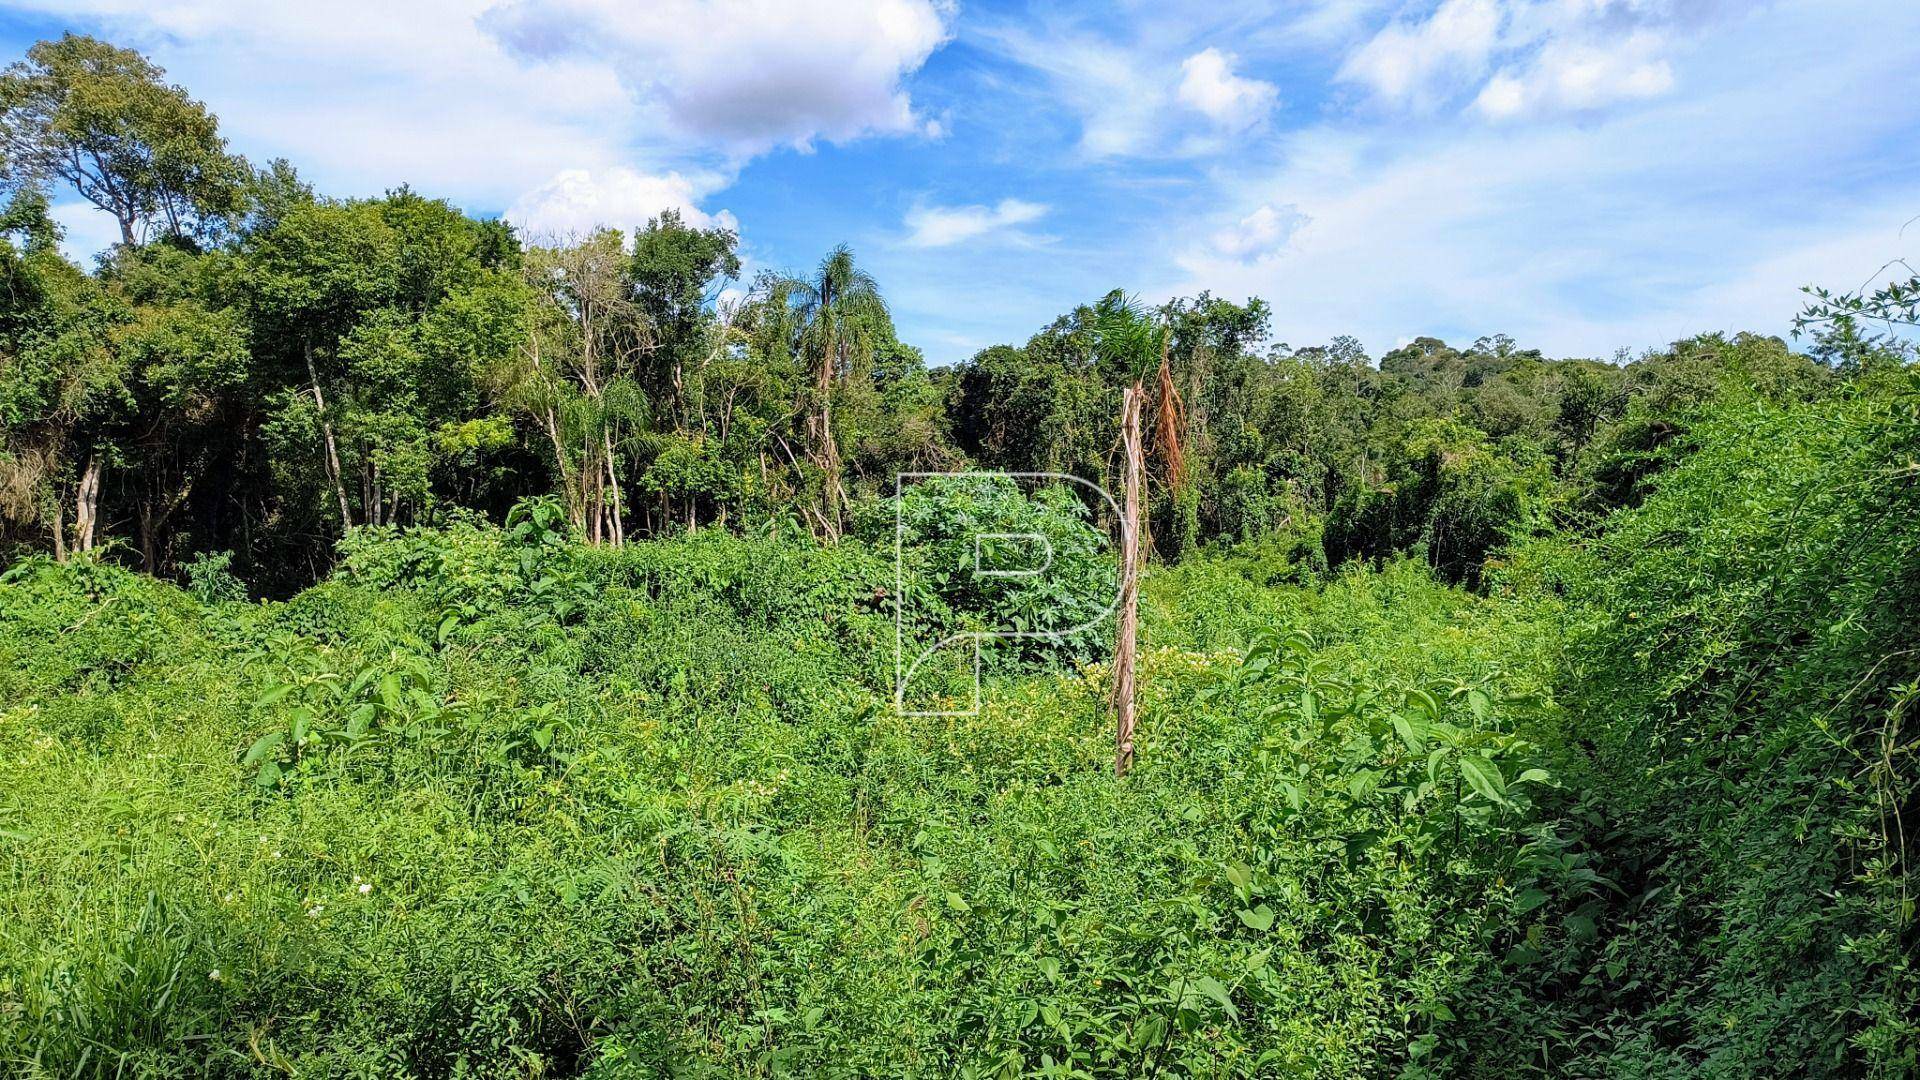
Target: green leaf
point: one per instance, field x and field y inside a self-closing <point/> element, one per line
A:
<point x="1483" y="776"/>
<point x="390" y="692"/>
<point x="1415" y="738"/>
<point x="261" y="747"/>
<point x="1481" y="705"/>
<point x="1241" y="876"/>
<point x="1259" y="918"/>
<point x="1426" y="703"/>
<point x="1361" y="784"/>
<point x="1291" y="791"/>
<point x="1214" y="990"/>
<point x="273" y="694"/>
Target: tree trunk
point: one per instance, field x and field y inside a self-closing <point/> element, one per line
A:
<point x="59" y="530"/>
<point x="86" y="504"/>
<point x="326" y="438"/>
<point x="619" y="535"/>
<point x="148" y="556"/>
<point x="1126" y="637"/>
<point x="826" y="450"/>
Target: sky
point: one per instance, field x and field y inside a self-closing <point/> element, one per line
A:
<point x="1586" y="176"/>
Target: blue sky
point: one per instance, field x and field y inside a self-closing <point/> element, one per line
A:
<point x="1585" y="175"/>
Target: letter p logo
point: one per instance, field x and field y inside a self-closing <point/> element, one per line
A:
<point x="1012" y="558"/>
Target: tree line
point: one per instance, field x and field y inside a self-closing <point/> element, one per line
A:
<point x="257" y="368"/>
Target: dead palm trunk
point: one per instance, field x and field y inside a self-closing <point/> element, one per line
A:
<point x="1168" y="419"/>
<point x="1126" y="642"/>
<point x="826" y="453"/>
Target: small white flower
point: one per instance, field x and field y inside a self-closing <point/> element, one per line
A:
<point x="314" y="911"/>
<point x="365" y="888"/>
<point x="214" y="974"/>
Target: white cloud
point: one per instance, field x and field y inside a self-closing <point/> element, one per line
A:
<point x="1515" y="58"/>
<point x="1416" y="63"/>
<point x="1209" y="86"/>
<point x="1569" y="76"/>
<point x="941" y="226"/>
<point x="1630" y="228"/>
<point x="1262" y="234"/>
<point x="593" y="108"/>
<point x="363" y="95"/>
<point x="749" y="73"/>
<point x="1117" y="98"/>
<point x="1154" y="92"/>
<point x="575" y="202"/>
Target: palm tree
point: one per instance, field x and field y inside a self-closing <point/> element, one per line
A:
<point x="841" y="315"/>
<point x="1129" y="339"/>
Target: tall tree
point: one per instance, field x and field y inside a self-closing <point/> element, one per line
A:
<point x="63" y="385"/>
<point x="104" y="121"/>
<point x="674" y="270"/>
<point x="312" y="279"/>
<point x="584" y="340"/>
<point x="842" y="317"/>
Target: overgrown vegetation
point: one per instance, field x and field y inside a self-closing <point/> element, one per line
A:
<point x="1497" y="715"/>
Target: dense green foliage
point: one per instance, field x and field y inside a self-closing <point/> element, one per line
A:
<point x="491" y="802"/>
<point x="1499" y="714"/>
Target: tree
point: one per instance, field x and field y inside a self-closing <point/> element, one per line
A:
<point x="584" y="338"/>
<point x="63" y="384"/>
<point x="185" y="364"/>
<point x="673" y="268"/>
<point x="103" y="120"/>
<point x="841" y="317"/>
<point x="311" y="280"/>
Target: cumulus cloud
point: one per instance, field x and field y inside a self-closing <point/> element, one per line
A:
<point x="1415" y="63"/>
<point x="575" y="202"/>
<point x="1578" y="77"/>
<point x="1209" y="86"/>
<point x="573" y="114"/>
<point x="750" y="73"/>
<point x="941" y="226"/>
<point x="1262" y="234"/>
<point x="363" y="94"/>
